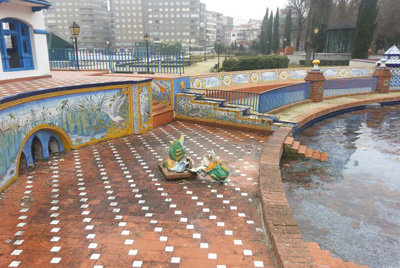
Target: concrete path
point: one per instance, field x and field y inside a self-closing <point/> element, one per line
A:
<point x="202" y="67"/>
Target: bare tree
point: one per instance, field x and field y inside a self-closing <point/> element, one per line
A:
<point x="388" y="26"/>
<point x="300" y="9"/>
<point x="318" y="17"/>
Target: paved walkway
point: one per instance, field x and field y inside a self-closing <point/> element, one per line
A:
<point x="203" y="67"/>
<point x="108" y="206"/>
<point x="301" y="113"/>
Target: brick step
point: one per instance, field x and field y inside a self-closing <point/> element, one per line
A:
<point x="317" y="155"/>
<point x="303" y="150"/>
<point x="158" y="107"/>
<point x="296" y="145"/>
<point x="309" y="152"/>
<point x="289" y="141"/>
<point x="165" y="109"/>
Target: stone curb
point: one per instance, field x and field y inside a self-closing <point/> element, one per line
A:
<point x="289" y="248"/>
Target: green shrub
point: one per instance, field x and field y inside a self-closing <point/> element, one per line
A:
<point x="240" y="54"/>
<point x="255" y="63"/>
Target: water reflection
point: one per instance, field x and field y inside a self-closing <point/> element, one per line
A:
<point x="351" y="205"/>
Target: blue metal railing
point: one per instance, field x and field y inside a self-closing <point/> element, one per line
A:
<point x="338" y="87"/>
<point x="235" y="97"/>
<point x="124" y="62"/>
<point x="275" y="98"/>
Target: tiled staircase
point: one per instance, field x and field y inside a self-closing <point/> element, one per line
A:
<point x="303" y="150"/>
<point x="245" y="111"/>
<point x="323" y="259"/>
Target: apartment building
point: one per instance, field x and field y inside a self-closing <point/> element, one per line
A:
<point x="91" y="15"/>
<point x="123" y="23"/>
<point x="211" y="29"/>
<point x="244" y="34"/>
<point x="173" y="21"/>
<point x="126" y="22"/>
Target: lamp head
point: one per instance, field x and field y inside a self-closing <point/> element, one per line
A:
<point x="74" y="29"/>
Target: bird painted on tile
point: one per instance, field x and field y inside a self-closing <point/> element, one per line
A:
<point x="2" y="132"/>
<point x="114" y="111"/>
<point x="162" y="89"/>
<point x="64" y="103"/>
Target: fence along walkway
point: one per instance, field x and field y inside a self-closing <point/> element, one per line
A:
<point x="121" y="62"/>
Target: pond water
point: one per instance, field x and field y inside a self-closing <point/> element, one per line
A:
<point x="351" y="204"/>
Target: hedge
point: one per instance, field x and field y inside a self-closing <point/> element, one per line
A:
<point x="255" y="63"/>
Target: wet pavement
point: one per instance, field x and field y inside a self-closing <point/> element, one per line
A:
<point x="107" y="205"/>
<point x="351" y="205"/>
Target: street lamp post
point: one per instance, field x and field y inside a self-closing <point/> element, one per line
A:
<point x="316" y="30"/>
<point x="75" y="29"/>
<point x="190" y="54"/>
<point x="147" y="39"/>
<point x="219" y="50"/>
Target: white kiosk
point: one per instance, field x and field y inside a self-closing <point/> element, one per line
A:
<point x="23" y="44"/>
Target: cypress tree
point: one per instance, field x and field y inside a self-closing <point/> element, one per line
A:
<point x="288" y="29"/>
<point x="269" y="33"/>
<point x="263" y="35"/>
<point x="275" y="36"/>
<point x="365" y="27"/>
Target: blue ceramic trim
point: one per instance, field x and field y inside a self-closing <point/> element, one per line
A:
<point x="37" y="31"/>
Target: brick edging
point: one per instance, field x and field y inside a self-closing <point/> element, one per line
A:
<point x="288" y="245"/>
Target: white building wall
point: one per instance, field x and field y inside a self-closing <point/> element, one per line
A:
<point x="35" y="20"/>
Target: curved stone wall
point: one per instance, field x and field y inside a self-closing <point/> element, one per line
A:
<point x="75" y="116"/>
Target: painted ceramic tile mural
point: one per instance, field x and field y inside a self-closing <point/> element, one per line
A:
<point x="298" y="74"/>
<point x="197" y="83"/>
<point x="330" y="72"/>
<point x="273" y="75"/>
<point x="206" y="111"/>
<point x="227" y="80"/>
<point x="212" y="81"/>
<point x="358" y="72"/>
<point x="181" y="84"/>
<point x="144" y="108"/>
<point x="162" y="91"/>
<point x="254" y="77"/>
<point x="84" y="116"/>
<point x="268" y="76"/>
<point x="135" y="111"/>
<point x="241" y="78"/>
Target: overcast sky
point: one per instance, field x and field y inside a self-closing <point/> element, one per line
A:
<point x="243" y="10"/>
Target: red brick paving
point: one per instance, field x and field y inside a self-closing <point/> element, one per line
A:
<point x="108" y="206"/>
